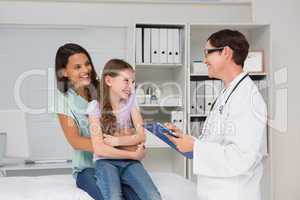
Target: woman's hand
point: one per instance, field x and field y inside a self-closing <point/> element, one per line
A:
<point x="110" y="140"/>
<point x="139" y="153"/>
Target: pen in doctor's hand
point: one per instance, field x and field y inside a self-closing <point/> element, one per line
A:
<point x="184" y="144"/>
<point x="171" y="138"/>
<point x="174" y="129"/>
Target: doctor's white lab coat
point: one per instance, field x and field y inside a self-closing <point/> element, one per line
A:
<point x="228" y="155"/>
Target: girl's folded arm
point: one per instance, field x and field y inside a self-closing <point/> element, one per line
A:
<point x="140" y="136"/>
<point x="100" y="148"/>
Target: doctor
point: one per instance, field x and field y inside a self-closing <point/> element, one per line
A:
<point x="228" y="155"/>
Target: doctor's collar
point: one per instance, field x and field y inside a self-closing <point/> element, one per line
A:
<point x="235" y="83"/>
<point x="236" y="79"/>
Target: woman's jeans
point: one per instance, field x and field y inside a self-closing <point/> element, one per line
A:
<point x="112" y="174"/>
<point x="86" y="181"/>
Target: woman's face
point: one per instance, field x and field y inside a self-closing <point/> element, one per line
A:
<point x="78" y="70"/>
<point x="122" y="85"/>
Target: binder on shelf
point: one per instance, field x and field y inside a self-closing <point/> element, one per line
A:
<point x="193" y="99"/>
<point x="158" y="130"/>
<point x="138" y="46"/>
<point x="154" y="45"/>
<point x="180" y="120"/>
<point x="200" y="100"/>
<point x="163" y="45"/>
<point x="147" y="45"/>
<point x="174" y="117"/>
<point x="177" y="119"/>
<point x="170" y="46"/>
<point x="176" y="46"/>
<point x="209" y="95"/>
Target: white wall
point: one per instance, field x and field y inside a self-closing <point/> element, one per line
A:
<point x="14" y="12"/>
<point x="31" y="50"/>
<point x="62" y="15"/>
<point x="284" y="18"/>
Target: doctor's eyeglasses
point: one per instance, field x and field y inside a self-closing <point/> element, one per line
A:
<point x="209" y="51"/>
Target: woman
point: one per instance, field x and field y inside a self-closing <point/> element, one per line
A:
<point x="77" y="83"/>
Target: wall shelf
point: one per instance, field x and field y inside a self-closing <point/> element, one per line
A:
<point x="157" y="66"/>
<point x="223" y="2"/>
<point x="198" y="115"/>
<point x="168" y="78"/>
<point x="20" y="169"/>
<point x="158" y="106"/>
<point x="250" y="73"/>
<point x="258" y="36"/>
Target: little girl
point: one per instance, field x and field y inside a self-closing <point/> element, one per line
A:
<point x="117" y="149"/>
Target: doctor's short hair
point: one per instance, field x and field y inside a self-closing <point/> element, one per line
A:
<point x="233" y="39"/>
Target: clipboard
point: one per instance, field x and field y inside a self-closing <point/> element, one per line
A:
<point x="158" y="130"/>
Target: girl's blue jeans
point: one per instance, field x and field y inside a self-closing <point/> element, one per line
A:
<point x="86" y="181"/>
<point x="112" y="174"/>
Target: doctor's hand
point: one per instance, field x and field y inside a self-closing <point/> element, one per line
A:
<point x="174" y="129"/>
<point x="184" y="143"/>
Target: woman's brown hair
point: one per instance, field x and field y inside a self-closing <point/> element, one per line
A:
<point x="108" y="120"/>
<point x="61" y="60"/>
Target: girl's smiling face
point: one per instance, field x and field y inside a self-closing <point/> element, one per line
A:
<point x="122" y="85"/>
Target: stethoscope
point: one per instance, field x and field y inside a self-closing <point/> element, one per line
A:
<point x="221" y="107"/>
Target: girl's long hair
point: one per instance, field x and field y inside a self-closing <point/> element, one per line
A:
<point x="108" y="120"/>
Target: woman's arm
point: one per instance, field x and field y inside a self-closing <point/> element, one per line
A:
<point x="71" y="132"/>
<point x="102" y="149"/>
<point x="83" y="143"/>
<point x="133" y="139"/>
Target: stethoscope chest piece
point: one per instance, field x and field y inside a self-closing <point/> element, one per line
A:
<point x="221" y="108"/>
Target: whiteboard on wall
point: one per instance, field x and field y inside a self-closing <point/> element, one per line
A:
<point x="27" y="57"/>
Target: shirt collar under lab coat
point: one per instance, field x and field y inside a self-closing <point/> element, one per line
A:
<point x="226" y="91"/>
<point x="236" y="79"/>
